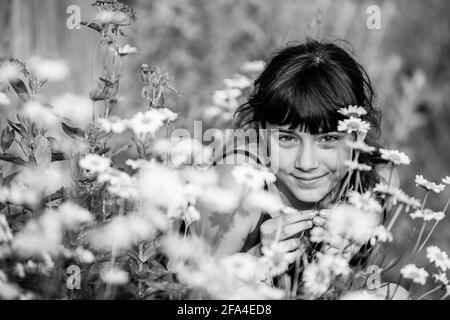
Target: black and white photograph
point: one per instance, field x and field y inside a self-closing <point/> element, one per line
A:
<point x="224" y="150"/>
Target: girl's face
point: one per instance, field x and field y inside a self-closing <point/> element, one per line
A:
<point x="309" y="165"/>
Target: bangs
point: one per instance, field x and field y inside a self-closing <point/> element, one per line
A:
<point x="308" y="100"/>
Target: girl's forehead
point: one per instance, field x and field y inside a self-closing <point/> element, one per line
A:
<point x="302" y="129"/>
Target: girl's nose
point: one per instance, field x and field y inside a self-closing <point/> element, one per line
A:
<point x="306" y="158"/>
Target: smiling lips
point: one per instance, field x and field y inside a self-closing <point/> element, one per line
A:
<point x="310" y="179"/>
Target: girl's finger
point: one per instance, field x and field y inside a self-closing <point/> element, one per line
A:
<point x="291" y="244"/>
<point x="319" y="221"/>
<point x="294" y="228"/>
<point x="324" y="213"/>
<point x="299" y="216"/>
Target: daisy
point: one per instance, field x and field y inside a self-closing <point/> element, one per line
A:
<point x="355" y="165"/>
<point x="95" y="163"/>
<point x="353" y="125"/>
<point x="438" y="257"/>
<point x="227" y="98"/>
<point x="277" y="257"/>
<point x="147" y="123"/>
<point x="72" y="216"/>
<point x="446" y="180"/>
<point x="352" y="223"/>
<point x="337" y="265"/>
<point x="114" y="124"/>
<point x="125" y="50"/>
<point x="361" y="295"/>
<point x="252" y="177"/>
<point x="364" y="201"/>
<point x="417" y="275"/>
<point x="168" y="114"/>
<point x="428" y="215"/>
<point x="243" y="266"/>
<point x="253" y="66"/>
<point x="360" y="146"/>
<point x="395" y="156"/>
<point x="316" y="280"/>
<point x="441" y="278"/>
<point x="263" y="200"/>
<point x="52" y="70"/>
<point x="380" y="234"/>
<point x="114" y="276"/>
<point x="428" y="185"/>
<point x="238" y="81"/>
<point x="353" y="111"/>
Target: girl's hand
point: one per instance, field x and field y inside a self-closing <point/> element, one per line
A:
<point x="286" y="227"/>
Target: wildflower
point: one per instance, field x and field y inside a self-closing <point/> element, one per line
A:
<point x="189" y="151"/>
<point x="4" y="100"/>
<point x="212" y="112"/>
<point x="355" y="165"/>
<point x="220" y="200"/>
<point x="52" y="70"/>
<point x="112" y="124"/>
<point x="263" y="201"/>
<point x="336" y="265"/>
<point x="191" y="214"/>
<point x="8" y="291"/>
<point x="95" y="163"/>
<point x="161" y="186"/>
<point x="76" y="108"/>
<point x="84" y="256"/>
<point x="353" y="111"/>
<point x="417" y="275"/>
<point x="168" y="114"/>
<point x="54" y="178"/>
<point x="438" y="257"/>
<point x="9" y="70"/>
<point x="428" y="215"/>
<point x="120" y="183"/>
<point x="397" y="195"/>
<point x="43" y="235"/>
<point x="441" y="278"/>
<point x="277" y="257"/>
<point x="360" y="146"/>
<point x="395" y="156"/>
<point x="115" y="276"/>
<point x="251" y="177"/>
<point x="428" y="185"/>
<point x="364" y="201"/>
<point x="121" y="232"/>
<point x="243" y="266"/>
<point x="40" y="114"/>
<point x="380" y="234"/>
<point x="446" y="180"/>
<point x="71" y="215"/>
<point x="316" y="280"/>
<point x="253" y="66"/>
<point x="353" y="125"/>
<point x="238" y="81"/>
<point x="227" y="98"/>
<point x="147" y="123"/>
<point x="125" y="50"/>
<point x="350" y="222"/>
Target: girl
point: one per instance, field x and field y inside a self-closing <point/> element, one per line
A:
<point x="295" y="102"/>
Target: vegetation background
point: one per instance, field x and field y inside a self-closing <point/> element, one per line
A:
<point x="202" y="42"/>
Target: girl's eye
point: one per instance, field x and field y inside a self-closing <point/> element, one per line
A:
<point x="329" y="138"/>
<point x="287" y="139"/>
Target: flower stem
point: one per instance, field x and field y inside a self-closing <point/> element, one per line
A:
<point x="428" y="293"/>
<point x="395" y="217"/>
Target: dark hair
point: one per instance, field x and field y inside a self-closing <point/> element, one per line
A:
<point x="304" y="85"/>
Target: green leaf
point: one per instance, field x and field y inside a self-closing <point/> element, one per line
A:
<point x="7" y="138"/>
<point x="42" y="152"/>
<point x="10" y="158"/>
<point x="73" y="132"/>
<point x="121" y="149"/>
<point x="7" y="180"/>
<point x="21" y="89"/>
